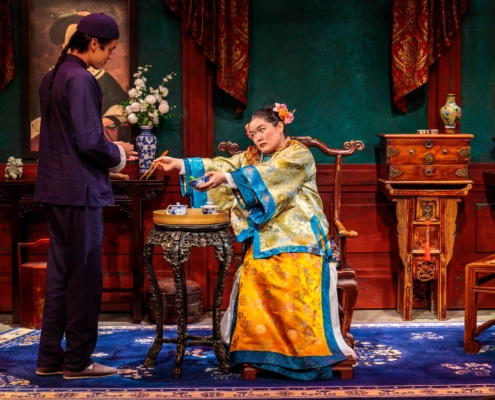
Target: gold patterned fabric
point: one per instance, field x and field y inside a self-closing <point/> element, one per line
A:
<point x="279" y="306"/>
<point x="289" y="207"/>
<point x="422" y="31"/>
<point x="221" y="29"/>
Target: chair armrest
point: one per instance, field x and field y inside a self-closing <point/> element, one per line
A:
<point x="343" y="232"/>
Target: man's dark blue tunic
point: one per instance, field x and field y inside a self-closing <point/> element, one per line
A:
<point x="73" y="184"/>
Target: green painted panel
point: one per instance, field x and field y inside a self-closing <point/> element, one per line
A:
<point x="160" y="45"/>
<point x="478" y="79"/>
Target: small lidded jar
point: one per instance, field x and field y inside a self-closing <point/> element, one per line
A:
<point x="209" y="208"/>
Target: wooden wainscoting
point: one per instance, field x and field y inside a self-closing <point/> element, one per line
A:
<point x="373" y="253"/>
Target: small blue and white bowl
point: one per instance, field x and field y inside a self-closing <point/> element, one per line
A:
<point x="209" y="208"/>
<point x="177" y="209"/>
<point x="199" y="181"/>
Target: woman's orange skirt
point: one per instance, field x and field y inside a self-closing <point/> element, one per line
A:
<point x="282" y="319"/>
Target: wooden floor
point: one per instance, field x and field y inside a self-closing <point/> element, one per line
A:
<point x="360" y="316"/>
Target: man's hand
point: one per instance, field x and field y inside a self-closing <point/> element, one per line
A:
<point x="130" y="153"/>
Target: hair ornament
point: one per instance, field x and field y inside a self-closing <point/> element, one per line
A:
<point x="284" y="114"/>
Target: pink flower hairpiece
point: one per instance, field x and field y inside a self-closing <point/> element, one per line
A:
<point x="283" y="112"/>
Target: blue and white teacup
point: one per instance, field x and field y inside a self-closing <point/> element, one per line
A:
<point x="209" y="208"/>
<point x="177" y="209"/>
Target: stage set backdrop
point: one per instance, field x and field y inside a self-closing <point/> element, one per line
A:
<point x="331" y="62"/>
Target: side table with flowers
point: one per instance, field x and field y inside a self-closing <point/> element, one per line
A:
<point x="146" y="107"/>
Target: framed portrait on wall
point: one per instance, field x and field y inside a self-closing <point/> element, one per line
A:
<point x="47" y="27"/>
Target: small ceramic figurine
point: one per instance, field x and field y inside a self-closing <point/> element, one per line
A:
<point x="13" y="169"/>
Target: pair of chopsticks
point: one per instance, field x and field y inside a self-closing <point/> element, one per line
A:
<point x="151" y="169"/>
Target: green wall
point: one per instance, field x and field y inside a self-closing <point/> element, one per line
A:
<point x="160" y="44"/>
<point x="328" y="60"/>
<point x="478" y="78"/>
<point x="10" y="97"/>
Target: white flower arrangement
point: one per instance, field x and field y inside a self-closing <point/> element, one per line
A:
<point x="146" y="106"/>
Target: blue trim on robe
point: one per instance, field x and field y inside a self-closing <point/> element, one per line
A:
<point x="318" y="231"/>
<point x="248" y="196"/>
<point x="193" y="167"/>
<point x="327" y="314"/>
<point x="257" y="199"/>
<point x="246" y="233"/>
<point x="251" y="186"/>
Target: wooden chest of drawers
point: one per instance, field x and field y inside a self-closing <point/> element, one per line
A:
<point x="425" y="158"/>
<point x="426" y="176"/>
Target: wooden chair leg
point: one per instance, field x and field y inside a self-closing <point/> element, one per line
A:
<point x="250" y="372"/>
<point x="348" y="292"/>
<point x="471" y="346"/>
<point x="345" y="368"/>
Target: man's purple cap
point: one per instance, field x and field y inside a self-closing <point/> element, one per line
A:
<point x="99" y="25"/>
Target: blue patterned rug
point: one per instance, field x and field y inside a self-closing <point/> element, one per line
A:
<point x="396" y="361"/>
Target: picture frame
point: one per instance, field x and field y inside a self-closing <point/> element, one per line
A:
<point x="47" y="24"/>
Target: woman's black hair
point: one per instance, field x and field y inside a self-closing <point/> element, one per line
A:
<point x="78" y="41"/>
<point x="268" y="114"/>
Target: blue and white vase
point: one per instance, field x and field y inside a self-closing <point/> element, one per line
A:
<point x="146" y="148"/>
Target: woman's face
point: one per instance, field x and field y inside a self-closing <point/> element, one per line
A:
<point x="266" y="137"/>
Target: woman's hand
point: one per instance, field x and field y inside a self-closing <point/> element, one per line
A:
<point x="168" y="163"/>
<point x="216" y="179"/>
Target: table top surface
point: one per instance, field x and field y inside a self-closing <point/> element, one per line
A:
<point x="193" y="227"/>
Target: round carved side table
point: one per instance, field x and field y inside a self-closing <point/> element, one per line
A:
<point x="176" y="242"/>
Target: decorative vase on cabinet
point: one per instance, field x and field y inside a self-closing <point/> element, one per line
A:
<point x="450" y="113"/>
<point x="146" y="148"/>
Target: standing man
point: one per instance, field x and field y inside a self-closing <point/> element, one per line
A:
<point x="73" y="184"/>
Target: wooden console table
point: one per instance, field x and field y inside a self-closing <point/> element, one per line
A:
<point x="426" y="176"/>
<point x="129" y="195"/>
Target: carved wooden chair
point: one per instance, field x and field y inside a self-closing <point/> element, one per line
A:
<point x="346" y="284"/>
<point x="480" y="277"/>
<point x="31" y="258"/>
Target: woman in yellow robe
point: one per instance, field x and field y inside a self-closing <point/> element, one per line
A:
<point x="283" y="311"/>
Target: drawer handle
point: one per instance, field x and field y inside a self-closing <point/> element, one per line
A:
<point x="428" y="171"/>
<point x="445" y="151"/>
<point x="429" y="144"/>
<point x="411" y="152"/>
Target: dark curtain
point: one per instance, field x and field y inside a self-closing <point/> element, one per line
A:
<point x="6" y="51"/>
<point x="221" y="29"/>
<point x="422" y="32"/>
